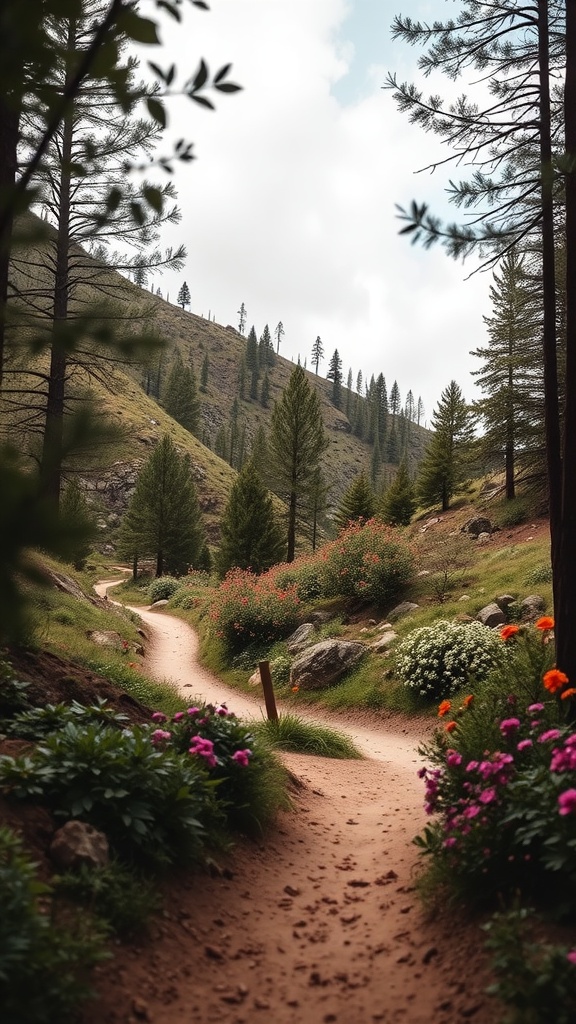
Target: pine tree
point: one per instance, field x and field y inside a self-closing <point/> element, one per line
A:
<point x="204" y="373"/>
<point x="180" y="397"/>
<point x="251" y="537"/>
<point x="296" y="443"/>
<point x="317" y="354"/>
<point x="357" y="503"/>
<point x="259" y="453"/>
<point x="254" y="385"/>
<point x="265" y="392"/>
<point x="163" y="518"/>
<point x="252" y="351"/>
<point x="445" y="458"/>
<point x="266" y="356"/>
<point x="279" y="334"/>
<point x="419" y="410"/>
<point x="393" y="446"/>
<point x="184" y="297"/>
<point x="242" y="318"/>
<point x="398" y="504"/>
<point x="335" y="375"/>
<point x="376" y="461"/>
<point x="76" y="511"/>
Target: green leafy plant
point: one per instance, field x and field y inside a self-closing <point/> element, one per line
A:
<point x="436" y="661"/>
<point x="163" y="588"/>
<point x="114" y="893"/>
<point x="13" y="693"/>
<point x="44" y="967"/>
<point x="368" y="560"/>
<point x="35" y="723"/>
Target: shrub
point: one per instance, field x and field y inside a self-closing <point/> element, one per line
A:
<point x="114" y="894"/>
<point x="152" y="804"/>
<point x="301" y="574"/>
<point x="368" y="561"/>
<point x="163" y="588"/>
<point x="36" y="723"/>
<point x="513" y="512"/>
<point x="435" y="661"/>
<point x="42" y="966"/>
<point x="539" y="574"/>
<point x="248" y="608"/>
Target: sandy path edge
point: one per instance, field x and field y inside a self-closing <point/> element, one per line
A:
<point x="318" y="924"/>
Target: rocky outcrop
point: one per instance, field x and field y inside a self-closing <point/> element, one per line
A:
<point x="532" y="606"/>
<point x="107" y="638"/>
<point x="301" y="638"/>
<point x="383" y="642"/>
<point x="477" y="525"/>
<point x="78" y="843"/>
<point x="325" y="663"/>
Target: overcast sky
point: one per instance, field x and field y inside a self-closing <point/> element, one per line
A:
<point x="290" y="205"/>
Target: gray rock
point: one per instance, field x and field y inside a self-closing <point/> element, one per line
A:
<point x="532" y="606"/>
<point x="483" y="538"/>
<point x="404" y="608"/>
<point x="67" y="586"/>
<point x="319" y="618"/>
<point x="324" y="663"/>
<point x="160" y="604"/>
<point x="300" y="638"/>
<point x="505" y="600"/>
<point x="477" y="525"/>
<point x="465" y="597"/>
<point x="106" y="638"/>
<point x="491" y="615"/>
<point x="78" y="843"/>
<point x="385" y="627"/>
<point x="383" y="642"/>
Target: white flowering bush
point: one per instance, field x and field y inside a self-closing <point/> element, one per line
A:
<point x="437" y="660"/>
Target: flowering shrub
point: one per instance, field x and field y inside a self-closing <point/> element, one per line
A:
<point x="437" y="660"/>
<point x="249" y="608"/>
<point x="367" y="560"/>
<point x="302" y="574"/>
<point x="163" y="588"/>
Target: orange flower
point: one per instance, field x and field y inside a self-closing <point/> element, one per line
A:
<point x="568" y="693"/>
<point x="444" y="708"/>
<point x="545" y="623"/>
<point x="468" y="700"/>
<point x="509" y="631"/>
<point x="295" y="689"/>
<point x="554" y="680"/>
<point x="450" y="726"/>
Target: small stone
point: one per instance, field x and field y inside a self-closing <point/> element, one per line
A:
<point x="261" y="1004"/>
<point x="141" y="1009"/>
<point x="213" y="953"/>
<point x="291" y="891"/>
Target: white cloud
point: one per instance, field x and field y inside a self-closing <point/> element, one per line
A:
<point x="290" y="206"/>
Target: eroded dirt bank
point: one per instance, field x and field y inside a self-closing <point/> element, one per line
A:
<point x="318" y="924"/>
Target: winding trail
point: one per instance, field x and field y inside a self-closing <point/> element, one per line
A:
<point x="321" y="923"/>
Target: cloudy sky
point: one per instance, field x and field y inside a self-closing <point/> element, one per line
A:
<point x="290" y="205"/>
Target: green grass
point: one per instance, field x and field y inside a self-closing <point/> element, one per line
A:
<point x="292" y="733"/>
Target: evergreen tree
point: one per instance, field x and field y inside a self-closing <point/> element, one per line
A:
<point x="265" y="392"/>
<point x="252" y="351"/>
<point x="445" y="458"/>
<point x="251" y="537"/>
<point x="359" y="383"/>
<point x="266" y="355"/>
<point x="315" y="516"/>
<point x="242" y="318"/>
<point x="259" y="453"/>
<point x="163" y="518"/>
<point x="296" y="443"/>
<point x="382" y="399"/>
<point x="204" y="373"/>
<point x="376" y="462"/>
<point x="317" y="354"/>
<point x="180" y="398"/>
<point x="254" y="385"/>
<point x="409" y="406"/>
<point x="184" y="297"/>
<point x="393" y="446"/>
<point x="357" y="503"/>
<point x="279" y="334"/>
<point x="80" y="518"/>
<point x="349" y="394"/>
<point x="395" y="402"/>
<point x="335" y="375"/>
<point x="419" y="410"/>
<point x="398" y="504"/>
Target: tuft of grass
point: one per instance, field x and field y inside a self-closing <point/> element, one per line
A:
<point x="294" y="734"/>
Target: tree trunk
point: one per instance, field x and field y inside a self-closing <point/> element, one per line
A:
<point x="9" y="121"/>
<point x="564" y="566"/>
<point x="291" y="527"/>
<point x="509" y="456"/>
<point x="52" y="447"/>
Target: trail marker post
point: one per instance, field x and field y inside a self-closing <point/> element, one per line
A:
<point x="269" y="698"/>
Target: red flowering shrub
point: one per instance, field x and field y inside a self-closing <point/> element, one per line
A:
<point x="367" y="560"/>
<point x="249" y="608"/>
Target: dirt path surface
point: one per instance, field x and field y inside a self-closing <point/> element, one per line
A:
<point x="320" y="923"/>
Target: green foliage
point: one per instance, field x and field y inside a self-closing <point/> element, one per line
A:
<point x="248" y="608"/>
<point x="13" y="693"/>
<point x="251" y="537"/>
<point x="75" y="510"/>
<point x="163" y="588"/>
<point x="536" y="979"/>
<point x="180" y="397"/>
<point x="357" y="503"/>
<point x="152" y="804"/>
<point x="513" y="512"/>
<point x="290" y="732"/>
<point x="303" y="575"/>
<point x="445" y="458"/>
<point x="368" y="560"/>
<point x="436" y="661"/>
<point x="38" y="722"/>
<point x="115" y="894"/>
<point x="42" y="965"/>
<point x="398" y="504"/>
<point x="539" y="574"/>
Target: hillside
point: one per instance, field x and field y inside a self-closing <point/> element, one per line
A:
<point x="119" y="391"/>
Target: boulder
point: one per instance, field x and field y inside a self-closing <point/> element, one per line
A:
<point x="67" y="586"/>
<point x="384" y="627"/>
<point x="255" y="678"/>
<point x="301" y="638"/>
<point x="491" y="615"/>
<point x="106" y="638"/>
<point x="78" y="843"/>
<point x="404" y="608"/>
<point x="532" y="606"/>
<point x="383" y="642"/>
<point x="504" y="601"/>
<point x="324" y="663"/>
<point x="319" y="618"/>
<point x="477" y="525"/>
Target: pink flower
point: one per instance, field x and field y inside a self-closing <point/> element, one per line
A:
<point x="524" y="745"/>
<point x="178" y="716"/>
<point x="222" y="710"/>
<point x="471" y="766"/>
<point x="192" y="711"/>
<point x="453" y="758"/>
<point x="487" y="796"/>
<point x="242" y="757"/>
<point x="205" y="749"/>
<point x="449" y="842"/>
<point x="471" y="812"/>
<point x="509" y="726"/>
<point x="534" y="708"/>
<point x="551" y="734"/>
<point x="159" y="716"/>
<point x="160" y="735"/>
<point x="571" y="956"/>
<point x="567" y="802"/>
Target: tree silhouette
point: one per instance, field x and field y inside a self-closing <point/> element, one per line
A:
<point x="184" y="297"/>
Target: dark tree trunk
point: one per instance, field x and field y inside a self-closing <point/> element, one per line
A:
<point x="564" y="566"/>
<point x="9" y="121"/>
<point x="510" y="453"/>
<point x="291" y="527"/>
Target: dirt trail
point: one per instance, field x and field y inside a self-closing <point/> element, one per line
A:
<point x="321" y="923"/>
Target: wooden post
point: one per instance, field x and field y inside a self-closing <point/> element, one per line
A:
<point x="268" y="688"/>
